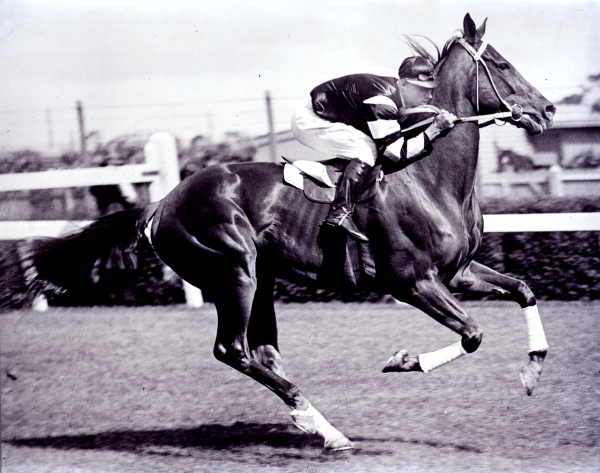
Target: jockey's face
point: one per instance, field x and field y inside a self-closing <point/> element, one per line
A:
<point x="413" y="95"/>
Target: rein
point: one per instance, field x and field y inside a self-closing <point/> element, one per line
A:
<point x="485" y="119"/>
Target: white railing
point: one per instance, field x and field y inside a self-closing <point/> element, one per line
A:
<point x="549" y="222"/>
<point x="493" y="223"/>
<point x="160" y="170"/>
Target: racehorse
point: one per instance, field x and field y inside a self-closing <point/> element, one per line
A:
<point x="232" y="229"/>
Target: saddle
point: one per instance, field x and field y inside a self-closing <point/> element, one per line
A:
<point x="318" y="179"/>
<point x="318" y="182"/>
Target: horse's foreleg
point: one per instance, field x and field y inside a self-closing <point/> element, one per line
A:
<point x="264" y="348"/>
<point x="481" y="279"/>
<point x="433" y="298"/>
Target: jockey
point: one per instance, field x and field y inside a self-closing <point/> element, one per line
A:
<point x="346" y="117"/>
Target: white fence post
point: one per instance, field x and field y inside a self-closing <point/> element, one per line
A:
<point x="555" y="182"/>
<point x="161" y="152"/>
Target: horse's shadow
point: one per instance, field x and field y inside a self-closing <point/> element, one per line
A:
<point x="290" y="442"/>
<point x="209" y="436"/>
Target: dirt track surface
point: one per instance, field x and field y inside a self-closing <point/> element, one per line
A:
<point x="138" y="391"/>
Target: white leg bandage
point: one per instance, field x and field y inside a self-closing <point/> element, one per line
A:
<point x="435" y="359"/>
<point x="535" y="330"/>
<point x="310" y="420"/>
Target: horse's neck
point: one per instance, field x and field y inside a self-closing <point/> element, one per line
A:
<point x="453" y="162"/>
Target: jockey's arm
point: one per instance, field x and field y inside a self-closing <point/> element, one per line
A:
<point x="387" y="133"/>
<point x="391" y="142"/>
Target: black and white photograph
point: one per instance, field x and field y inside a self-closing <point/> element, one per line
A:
<point x="335" y="236"/>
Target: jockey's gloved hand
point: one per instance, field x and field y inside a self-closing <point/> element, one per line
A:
<point x="442" y="122"/>
<point x="445" y="120"/>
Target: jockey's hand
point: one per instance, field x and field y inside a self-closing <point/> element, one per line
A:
<point x="442" y="122"/>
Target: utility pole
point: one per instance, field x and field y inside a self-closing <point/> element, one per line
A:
<point x="272" y="145"/>
<point x="50" y="131"/>
<point x="81" y="120"/>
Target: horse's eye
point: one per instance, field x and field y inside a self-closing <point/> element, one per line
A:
<point x="503" y="66"/>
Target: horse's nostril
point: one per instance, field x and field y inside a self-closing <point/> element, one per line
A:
<point x="550" y="110"/>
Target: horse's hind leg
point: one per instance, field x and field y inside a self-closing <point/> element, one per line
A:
<point x="264" y="349"/>
<point x="262" y="329"/>
<point x="231" y="347"/>
<point x="481" y="279"/>
<point x="234" y="302"/>
<point x="433" y="298"/>
<point x="227" y="270"/>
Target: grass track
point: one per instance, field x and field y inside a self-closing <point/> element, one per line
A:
<point x="137" y="390"/>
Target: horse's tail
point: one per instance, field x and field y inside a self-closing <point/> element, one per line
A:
<point x="67" y="261"/>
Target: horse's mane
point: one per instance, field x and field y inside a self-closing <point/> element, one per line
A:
<point x="440" y="55"/>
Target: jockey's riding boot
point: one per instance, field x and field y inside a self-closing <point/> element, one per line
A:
<point x="340" y="212"/>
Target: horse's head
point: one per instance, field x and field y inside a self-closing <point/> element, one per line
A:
<point x="497" y="86"/>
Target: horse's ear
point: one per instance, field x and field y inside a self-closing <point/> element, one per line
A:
<point x="469" y="28"/>
<point x="481" y="29"/>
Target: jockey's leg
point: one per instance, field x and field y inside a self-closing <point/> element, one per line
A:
<point x="342" y="207"/>
<point x="338" y="139"/>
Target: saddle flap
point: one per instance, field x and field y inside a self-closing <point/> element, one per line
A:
<point x="317" y="179"/>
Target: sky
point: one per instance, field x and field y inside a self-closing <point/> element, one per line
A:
<point x="203" y="67"/>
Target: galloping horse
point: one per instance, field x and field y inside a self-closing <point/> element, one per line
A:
<point x="232" y="229"/>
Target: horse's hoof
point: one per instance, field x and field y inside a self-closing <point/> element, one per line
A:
<point x="338" y="444"/>
<point x="530" y="376"/>
<point x="400" y="361"/>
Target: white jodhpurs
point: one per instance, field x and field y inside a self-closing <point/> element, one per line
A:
<point x="332" y="139"/>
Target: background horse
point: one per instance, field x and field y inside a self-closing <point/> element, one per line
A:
<point x="232" y="229"/>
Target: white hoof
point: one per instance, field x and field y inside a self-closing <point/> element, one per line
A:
<point x="530" y="373"/>
<point x="339" y="444"/>
<point x="311" y="421"/>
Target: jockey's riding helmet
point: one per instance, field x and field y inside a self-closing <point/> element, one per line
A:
<point x="417" y="70"/>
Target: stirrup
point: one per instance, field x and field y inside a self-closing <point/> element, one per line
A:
<point x="338" y="217"/>
<point x="345" y="221"/>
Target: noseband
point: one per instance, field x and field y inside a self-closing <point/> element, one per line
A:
<point x="516" y="110"/>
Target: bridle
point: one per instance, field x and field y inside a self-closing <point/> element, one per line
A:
<point x="515" y="111"/>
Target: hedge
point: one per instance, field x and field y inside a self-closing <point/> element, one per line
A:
<point x="557" y="265"/>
